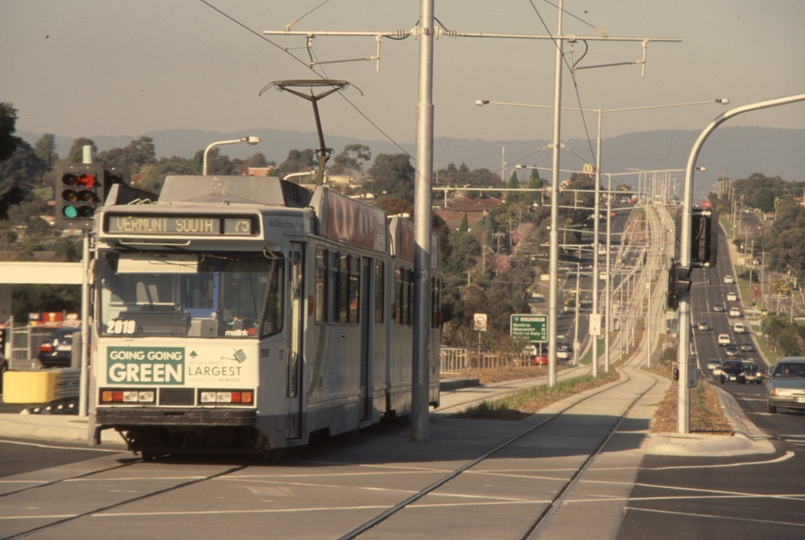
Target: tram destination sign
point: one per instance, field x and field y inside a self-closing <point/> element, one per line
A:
<point x="183" y="225"/>
<point x="532" y="328"/>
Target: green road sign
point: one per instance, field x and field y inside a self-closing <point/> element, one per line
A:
<point x="529" y="327"/>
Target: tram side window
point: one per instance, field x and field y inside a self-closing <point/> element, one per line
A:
<point x="321" y="285"/>
<point x="343" y="289"/>
<point x="380" y="290"/>
<point x="332" y="286"/>
<point x="406" y="299"/>
<point x="398" y="294"/>
<point x="435" y="306"/>
<point x="273" y="317"/>
<point x="354" y="288"/>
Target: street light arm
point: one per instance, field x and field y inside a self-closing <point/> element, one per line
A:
<point x="249" y="140"/>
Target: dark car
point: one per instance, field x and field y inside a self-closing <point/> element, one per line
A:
<point x="57" y="349"/>
<point x="752" y="373"/>
<point x="732" y="351"/>
<point x="746" y="346"/>
<point x="3" y="369"/>
<point x="733" y="370"/>
<point x="718" y="307"/>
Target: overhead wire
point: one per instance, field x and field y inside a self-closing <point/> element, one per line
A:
<point x="572" y="75"/>
<point x="287" y="51"/>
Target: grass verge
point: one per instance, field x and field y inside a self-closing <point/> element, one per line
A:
<point x="706" y="413"/>
<point x="529" y="401"/>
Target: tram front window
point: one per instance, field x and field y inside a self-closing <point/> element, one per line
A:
<point x="194" y="295"/>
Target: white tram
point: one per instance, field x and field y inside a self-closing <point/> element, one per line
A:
<point x="242" y="313"/>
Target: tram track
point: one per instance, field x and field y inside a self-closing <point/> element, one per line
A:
<point x="64" y="519"/>
<point x="562" y="493"/>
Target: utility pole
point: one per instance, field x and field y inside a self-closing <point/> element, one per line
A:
<point x="423" y="229"/>
<point x="553" y="264"/>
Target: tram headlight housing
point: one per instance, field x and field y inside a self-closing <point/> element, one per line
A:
<point x="128" y="396"/>
<point x="227" y="397"/>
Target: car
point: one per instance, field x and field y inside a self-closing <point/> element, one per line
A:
<point x="539" y="360"/>
<point x="735" y="312"/>
<point x="718" y="308"/>
<point x="704" y="325"/>
<point x="729" y="280"/>
<point x="732" y="297"/>
<point x="57" y="349"/>
<point x="713" y="363"/>
<point x="3" y="369"/>
<point x="786" y="385"/>
<point x="747" y="346"/>
<point x="724" y="340"/>
<point x="739" y="328"/>
<point x="732" y="351"/>
<point x="733" y="371"/>
<point x="752" y="373"/>
<point x="564" y="350"/>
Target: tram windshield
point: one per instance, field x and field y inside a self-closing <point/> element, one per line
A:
<point x="231" y="295"/>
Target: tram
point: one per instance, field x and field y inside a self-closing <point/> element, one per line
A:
<point x="247" y="313"/>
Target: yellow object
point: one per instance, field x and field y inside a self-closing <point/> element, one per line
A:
<point x="29" y="386"/>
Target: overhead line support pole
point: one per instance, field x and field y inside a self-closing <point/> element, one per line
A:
<point x="422" y="229"/>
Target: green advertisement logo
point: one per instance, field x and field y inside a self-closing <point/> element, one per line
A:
<point x="145" y="365"/>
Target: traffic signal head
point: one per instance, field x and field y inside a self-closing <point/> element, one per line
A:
<point x="78" y="192"/>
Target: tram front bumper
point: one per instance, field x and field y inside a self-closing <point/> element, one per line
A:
<point x="120" y="417"/>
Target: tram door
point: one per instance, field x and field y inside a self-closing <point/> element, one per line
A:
<point x="296" y="296"/>
<point x="366" y="319"/>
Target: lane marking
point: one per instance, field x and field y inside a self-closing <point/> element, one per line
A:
<point x="223" y="512"/>
<point x="40" y="445"/>
<point x="711" y="516"/>
<point x="788" y="455"/>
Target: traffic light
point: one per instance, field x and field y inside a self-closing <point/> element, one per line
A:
<point x="79" y="191"/>
<point x="704" y="238"/>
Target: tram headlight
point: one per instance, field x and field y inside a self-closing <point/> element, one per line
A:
<point x="112" y="396"/>
<point x="236" y="397"/>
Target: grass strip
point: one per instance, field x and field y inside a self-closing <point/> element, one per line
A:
<point x="531" y="400"/>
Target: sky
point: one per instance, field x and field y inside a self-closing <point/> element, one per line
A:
<point x="86" y="68"/>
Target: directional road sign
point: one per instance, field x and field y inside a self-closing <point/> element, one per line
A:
<point x="529" y="327"/>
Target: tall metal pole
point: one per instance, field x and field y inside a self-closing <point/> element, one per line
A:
<point x="683" y="410"/>
<point x="553" y="263"/>
<point x="420" y="372"/>
<point x="608" y="282"/>
<point x="85" y="303"/>
<point x="576" y="323"/>
<point x="596" y="223"/>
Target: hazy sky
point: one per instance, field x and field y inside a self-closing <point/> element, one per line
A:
<point x="85" y="68"/>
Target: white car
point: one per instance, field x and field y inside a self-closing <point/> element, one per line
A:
<point x="732" y="297"/>
<point x="735" y="312"/>
<point x="729" y="280"/>
<point x="739" y="328"/>
<point x="723" y="340"/>
<point x="713" y="363"/>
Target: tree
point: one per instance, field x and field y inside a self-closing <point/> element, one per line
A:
<point x="8" y="121"/>
<point x="534" y="182"/>
<point x="394" y="206"/>
<point x="464" y="225"/>
<point x="514" y="183"/>
<point x="152" y="175"/>
<point x="351" y="159"/>
<point x="763" y="200"/>
<point x="45" y="149"/>
<point x="133" y="157"/>
<point x="298" y="162"/>
<point x="392" y="176"/>
<point x="22" y="169"/>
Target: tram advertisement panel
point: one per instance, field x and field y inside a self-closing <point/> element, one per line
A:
<point x="193" y="365"/>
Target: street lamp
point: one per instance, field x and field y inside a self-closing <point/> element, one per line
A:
<point x="250" y="140"/>
<point x="553" y="284"/>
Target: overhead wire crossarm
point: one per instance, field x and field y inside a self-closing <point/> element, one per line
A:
<point x="439" y="31"/>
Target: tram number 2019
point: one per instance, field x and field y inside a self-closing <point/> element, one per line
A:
<point x="121" y="327"/>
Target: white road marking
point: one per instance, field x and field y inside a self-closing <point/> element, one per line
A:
<point x="788" y="455"/>
<point x="86" y="448"/>
<point x="730" y="518"/>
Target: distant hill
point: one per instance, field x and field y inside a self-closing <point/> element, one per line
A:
<point x="735" y="152"/>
